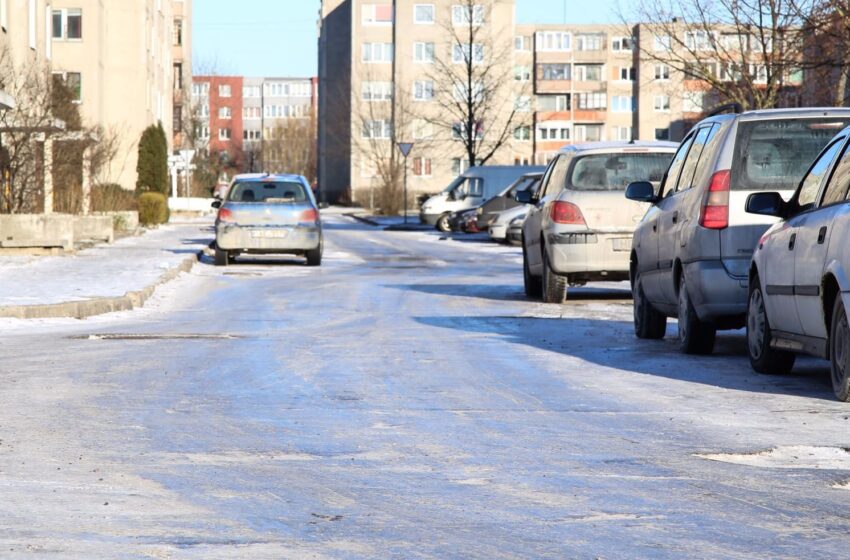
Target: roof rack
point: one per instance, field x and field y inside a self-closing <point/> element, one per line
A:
<point x="728" y="107"/>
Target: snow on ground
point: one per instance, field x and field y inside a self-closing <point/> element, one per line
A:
<point x="103" y="271"/>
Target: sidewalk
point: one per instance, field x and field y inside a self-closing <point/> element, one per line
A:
<point x="102" y="279"/>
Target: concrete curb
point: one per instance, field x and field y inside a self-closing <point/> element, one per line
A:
<point x="98" y="306"/>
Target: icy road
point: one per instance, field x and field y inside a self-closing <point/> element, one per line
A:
<point x="405" y="401"/>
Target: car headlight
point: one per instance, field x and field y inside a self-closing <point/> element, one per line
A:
<point x="479" y="211"/>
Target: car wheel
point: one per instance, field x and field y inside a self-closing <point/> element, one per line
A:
<point x="695" y="336"/>
<point x="222" y="257"/>
<point x="533" y="285"/>
<point x="554" y="285"/>
<point x="763" y="358"/>
<point x="649" y="323"/>
<point x="443" y="223"/>
<point x="839" y="351"/>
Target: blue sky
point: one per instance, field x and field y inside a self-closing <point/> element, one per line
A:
<point x="278" y="37"/>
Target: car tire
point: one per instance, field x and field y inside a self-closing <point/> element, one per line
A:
<point x="649" y="323"/>
<point x="533" y="285"/>
<point x="839" y="351"/>
<point x="443" y="223"/>
<point x="763" y="358"/>
<point x="222" y="257"/>
<point x="695" y="336"/>
<point x="554" y="285"/>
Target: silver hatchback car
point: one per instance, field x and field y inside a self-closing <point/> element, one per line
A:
<point x="268" y="214"/>
<point x="579" y="229"/>
<point x="692" y="251"/>
<point x="800" y="274"/>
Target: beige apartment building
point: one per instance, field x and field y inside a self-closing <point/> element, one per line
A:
<point x="571" y="84"/>
<point x="24" y="36"/>
<point x="119" y="57"/>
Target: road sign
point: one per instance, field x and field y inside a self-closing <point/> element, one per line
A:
<point x="405" y="148"/>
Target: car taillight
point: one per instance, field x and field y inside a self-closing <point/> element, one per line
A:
<point x="715" y="209"/>
<point x="311" y="216"/>
<point x="225" y="215"/>
<point x="567" y="213"/>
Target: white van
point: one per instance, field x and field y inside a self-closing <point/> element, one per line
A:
<point x="470" y="190"/>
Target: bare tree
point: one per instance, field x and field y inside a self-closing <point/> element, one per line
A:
<point x="292" y="148"/>
<point x="480" y="103"/>
<point x="744" y="51"/>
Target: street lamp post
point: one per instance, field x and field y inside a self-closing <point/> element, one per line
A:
<point x="405" y="148"/>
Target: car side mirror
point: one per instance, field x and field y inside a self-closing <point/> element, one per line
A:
<point x="523" y="197"/>
<point x="216" y="204"/>
<point x="766" y="204"/>
<point x="641" y="191"/>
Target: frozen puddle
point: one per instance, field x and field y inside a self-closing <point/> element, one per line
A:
<point x="789" y="457"/>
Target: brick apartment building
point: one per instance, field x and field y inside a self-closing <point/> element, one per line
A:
<point x="236" y="115"/>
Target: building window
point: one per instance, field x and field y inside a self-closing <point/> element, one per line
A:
<point x="423" y="90"/>
<point x="621" y="133"/>
<point x="377" y="130"/>
<point x="459" y="165"/>
<point x="423" y="53"/>
<point x="459" y="131"/>
<point x="423" y="14"/>
<point x="622" y="103"/>
<point x="224" y="90"/>
<point x="522" y="104"/>
<point x="588" y="72"/>
<point x="377" y="91"/>
<point x="522" y="73"/>
<point x="251" y="113"/>
<point x="592" y="101"/>
<point x="589" y="42"/>
<point x="375" y="53"/>
<point x="251" y="135"/>
<point x="555" y="72"/>
<point x="553" y="103"/>
<point x="422" y="167"/>
<point x="621" y="44"/>
<point x="201" y="89"/>
<point x="224" y="134"/>
<point x="553" y="41"/>
<point x="178" y="32"/>
<point x="522" y="133"/>
<point x="251" y="91"/>
<point x="699" y="40"/>
<point x="463" y="54"/>
<point x="662" y="133"/>
<point x="68" y="24"/>
<point x="73" y="81"/>
<point x="662" y="72"/>
<point x="522" y="43"/>
<point x="522" y="160"/>
<point x="549" y="131"/>
<point x="178" y="76"/>
<point x="588" y="133"/>
<point x="661" y="103"/>
<point x="627" y="74"/>
<point x="467" y="15"/>
<point x="377" y="14"/>
<point x="225" y="113"/>
<point x="662" y="43"/>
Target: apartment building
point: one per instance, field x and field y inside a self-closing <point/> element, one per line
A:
<point x="236" y="115"/>
<point x="181" y="56"/>
<point x="118" y="58"/>
<point x="24" y="38"/>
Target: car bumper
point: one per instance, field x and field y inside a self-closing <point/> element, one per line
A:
<point x="429" y="219"/>
<point x="515" y="235"/>
<point x="589" y="252"/>
<point x="498" y="231"/>
<point x="715" y="293"/>
<point x="267" y="239"/>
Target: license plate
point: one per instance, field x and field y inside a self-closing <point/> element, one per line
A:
<point x="623" y="244"/>
<point x="271" y="234"/>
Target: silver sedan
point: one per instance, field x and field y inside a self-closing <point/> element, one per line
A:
<point x="269" y="214"/>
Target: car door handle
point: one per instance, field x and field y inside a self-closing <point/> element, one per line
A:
<point x="675" y="217"/>
<point x="655" y="226"/>
<point x="822" y="235"/>
<point x="792" y="242"/>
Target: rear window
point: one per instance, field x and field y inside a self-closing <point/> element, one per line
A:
<point x="775" y="154"/>
<point x="613" y="172"/>
<point x="271" y="191"/>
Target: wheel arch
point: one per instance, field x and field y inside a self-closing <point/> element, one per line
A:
<point x="678" y="270"/>
<point x="834" y="282"/>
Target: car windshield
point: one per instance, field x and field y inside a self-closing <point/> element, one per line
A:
<point x="268" y="191"/>
<point x="613" y="172"/>
<point x="775" y="154"/>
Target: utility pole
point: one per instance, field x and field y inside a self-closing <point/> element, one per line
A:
<point x="405" y="148"/>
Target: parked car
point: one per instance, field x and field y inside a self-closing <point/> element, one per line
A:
<point x="268" y="214"/>
<point x="457" y="220"/>
<point x="498" y="228"/>
<point x="799" y="288"/>
<point x="578" y="229"/>
<point x="470" y="190"/>
<point x="691" y="253"/>
<point x="505" y="200"/>
<point x="514" y="236"/>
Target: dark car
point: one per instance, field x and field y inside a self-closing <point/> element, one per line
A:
<point x="505" y="200"/>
